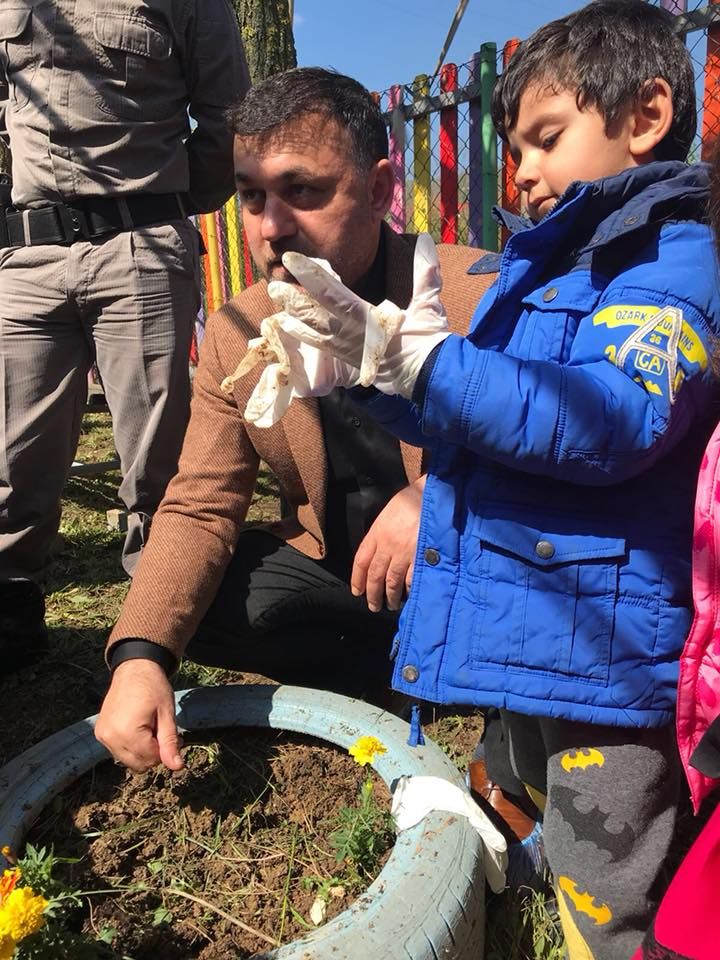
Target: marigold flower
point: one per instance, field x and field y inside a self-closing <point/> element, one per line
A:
<point x="7" y="947"/>
<point x="22" y="913"/>
<point x="8" y="882"/>
<point x="365" y="749"/>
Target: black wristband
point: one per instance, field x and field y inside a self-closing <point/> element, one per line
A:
<point x="137" y="649"/>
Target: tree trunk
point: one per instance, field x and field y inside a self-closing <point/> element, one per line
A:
<point x="266" y="30"/>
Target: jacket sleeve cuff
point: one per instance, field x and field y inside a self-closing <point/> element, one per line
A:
<point x="420" y="388"/>
<point x="135" y="648"/>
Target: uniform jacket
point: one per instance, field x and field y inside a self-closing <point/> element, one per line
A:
<point x="553" y="567"/>
<point x="195" y="531"/>
<point x="699" y="688"/>
<point x="95" y="97"/>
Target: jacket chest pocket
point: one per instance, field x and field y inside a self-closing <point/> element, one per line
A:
<point x="546" y="599"/>
<point x="549" y="321"/>
<point x="21" y="43"/>
<point x="138" y="77"/>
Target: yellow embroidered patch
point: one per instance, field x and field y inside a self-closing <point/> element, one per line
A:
<point x="624" y="315"/>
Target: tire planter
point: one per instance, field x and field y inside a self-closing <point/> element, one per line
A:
<point x="427" y="903"/>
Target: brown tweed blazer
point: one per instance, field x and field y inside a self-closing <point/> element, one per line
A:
<point x="196" y="528"/>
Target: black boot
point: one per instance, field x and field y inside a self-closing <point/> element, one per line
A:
<point x="23" y="634"/>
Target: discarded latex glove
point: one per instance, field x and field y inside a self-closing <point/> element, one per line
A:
<point x="415" y="797"/>
<point x="386" y="344"/>
<point x="294" y="369"/>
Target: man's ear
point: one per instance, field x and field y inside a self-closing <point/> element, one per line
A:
<point x="381" y="184"/>
<point x="652" y="117"/>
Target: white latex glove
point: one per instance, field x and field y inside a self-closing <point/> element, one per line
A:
<point x="415" y="797"/>
<point x="386" y="344"/>
<point x="294" y="369"/>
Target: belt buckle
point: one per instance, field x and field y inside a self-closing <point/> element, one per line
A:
<point x="74" y="223"/>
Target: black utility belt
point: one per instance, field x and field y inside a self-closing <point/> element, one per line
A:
<point x="88" y="219"/>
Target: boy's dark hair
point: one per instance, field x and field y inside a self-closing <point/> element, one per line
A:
<point x="312" y="90"/>
<point x="608" y="52"/>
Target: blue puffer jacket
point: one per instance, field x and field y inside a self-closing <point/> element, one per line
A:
<point x="552" y="573"/>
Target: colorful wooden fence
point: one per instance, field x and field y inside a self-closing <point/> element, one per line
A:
<point x="448" y="167"/>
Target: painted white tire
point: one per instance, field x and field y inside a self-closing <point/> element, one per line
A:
<point x="429" y="900"/>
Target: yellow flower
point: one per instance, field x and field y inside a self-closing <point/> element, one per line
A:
<point x="22" y="913"/>
<point x="365" y="749"/>
<point x="7" y="947"/>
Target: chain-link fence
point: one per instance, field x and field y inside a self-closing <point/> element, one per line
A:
<point x="450" y="167"/>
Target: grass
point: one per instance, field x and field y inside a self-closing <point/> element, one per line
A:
<point x="86" y="587"/>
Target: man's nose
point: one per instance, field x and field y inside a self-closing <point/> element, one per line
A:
<point x="277" y="219"/>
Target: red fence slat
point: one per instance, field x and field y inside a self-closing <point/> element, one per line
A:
<point x="449" y="159"/>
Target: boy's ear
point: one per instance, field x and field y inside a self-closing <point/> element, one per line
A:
<point x="651" y="119"/>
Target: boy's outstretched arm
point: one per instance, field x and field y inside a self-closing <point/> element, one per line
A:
<point x="637" y="376"/>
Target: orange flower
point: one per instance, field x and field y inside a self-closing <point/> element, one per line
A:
<point x="7" y="882"/>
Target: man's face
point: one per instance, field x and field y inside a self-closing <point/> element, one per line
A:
<point x="553" y="143"/>
<point x="301" y="190"/>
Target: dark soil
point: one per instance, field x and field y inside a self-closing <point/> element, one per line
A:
<point x="244" y="828"/>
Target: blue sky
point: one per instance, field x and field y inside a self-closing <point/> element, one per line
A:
<point x="381" y="42"/>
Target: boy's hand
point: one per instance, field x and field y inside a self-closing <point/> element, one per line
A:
<point x="387" y="345"/>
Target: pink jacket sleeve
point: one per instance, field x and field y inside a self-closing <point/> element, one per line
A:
<point x="699" y="684"/>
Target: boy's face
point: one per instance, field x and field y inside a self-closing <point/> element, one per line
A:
<point x="553" y="143"/>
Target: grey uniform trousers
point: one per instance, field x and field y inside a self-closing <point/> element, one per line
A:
<point x="129" y="302"/>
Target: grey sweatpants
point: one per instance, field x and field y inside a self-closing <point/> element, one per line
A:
<point x="609" y="817"/>
<point x="129" y="302"/>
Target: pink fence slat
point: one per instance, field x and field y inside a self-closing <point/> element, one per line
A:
<point x="221" y="229"/>
<point x="398" y="217"/>
<point x="674" y="6"/>
<point x="449" y="158"/>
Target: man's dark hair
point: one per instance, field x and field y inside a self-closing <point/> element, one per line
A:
<point x="289" y="95"/>
<point x="608" y="53"/>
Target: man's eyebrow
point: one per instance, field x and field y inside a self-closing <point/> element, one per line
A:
<point x="292" y="173"/>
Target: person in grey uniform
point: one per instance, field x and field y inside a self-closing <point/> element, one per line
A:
<point x="98" y="259"/>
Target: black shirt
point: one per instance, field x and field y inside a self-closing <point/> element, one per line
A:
<point x="365" y="466"/>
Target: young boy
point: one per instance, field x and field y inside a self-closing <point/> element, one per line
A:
<point x="552" y="571"/>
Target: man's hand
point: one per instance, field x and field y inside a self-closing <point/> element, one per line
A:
<point x="384" y="561"/>
<point x="137" y="718"/>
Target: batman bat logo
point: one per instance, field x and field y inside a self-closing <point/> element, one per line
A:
<point x="585" y="902"/>
<point x="582" y="759"/>
<point x="591" y="826"/>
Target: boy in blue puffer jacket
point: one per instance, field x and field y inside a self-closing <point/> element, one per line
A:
<point x="552" y="574"/>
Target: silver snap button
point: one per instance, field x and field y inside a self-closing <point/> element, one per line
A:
<point x="629" y="221"/>
<point x="544" y="549"/>
<point x="550" y="294"/>
<point x="410" y="673"/>
<point x="432" y="556"/>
